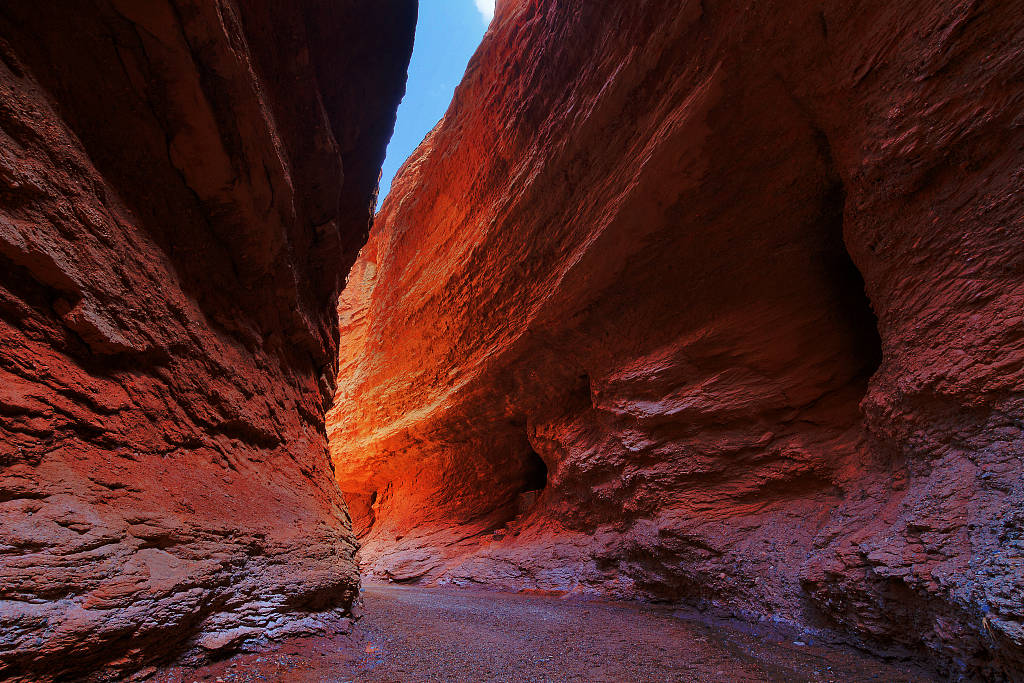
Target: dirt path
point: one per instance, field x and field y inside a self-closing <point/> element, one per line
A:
<point x="417" y="634"/>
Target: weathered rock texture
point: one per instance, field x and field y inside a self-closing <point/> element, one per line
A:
<point x="183" y="185"/>
<point x="632" y="260"/>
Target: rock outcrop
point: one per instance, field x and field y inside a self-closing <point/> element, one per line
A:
<point x="710" y="301"/>
<point x="183" y="186"/>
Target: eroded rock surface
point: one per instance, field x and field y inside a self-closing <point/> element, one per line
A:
<point x="183" y="185"/>
<point x="710" y="301"/>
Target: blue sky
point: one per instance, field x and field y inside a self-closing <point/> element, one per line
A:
<point x="447" y="34"/>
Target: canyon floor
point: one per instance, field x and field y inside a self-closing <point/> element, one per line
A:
<point x="443" y="634"/>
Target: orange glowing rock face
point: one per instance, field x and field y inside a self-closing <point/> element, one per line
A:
<point x="183" y="186"/>
<point x="611" y="332"/>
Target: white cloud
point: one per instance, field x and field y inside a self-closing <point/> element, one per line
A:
<point x="486" y="8"/>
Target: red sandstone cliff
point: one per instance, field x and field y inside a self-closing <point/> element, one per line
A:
<point x="739" y="286"/>
<point x="183" y="185"/>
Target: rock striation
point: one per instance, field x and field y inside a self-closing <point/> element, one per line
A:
<point x="714" y="302"/>
<point x="183" y="186"/>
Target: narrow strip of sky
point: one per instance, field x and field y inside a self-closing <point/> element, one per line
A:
<point x="447" y="34"/>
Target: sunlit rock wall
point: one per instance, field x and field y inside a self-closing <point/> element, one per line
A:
<point x="737" y="287"/>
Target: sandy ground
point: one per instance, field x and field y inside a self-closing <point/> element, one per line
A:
<point x="424" y="634"/>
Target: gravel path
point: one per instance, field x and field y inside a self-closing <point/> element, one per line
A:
<point x="419" y="634"/>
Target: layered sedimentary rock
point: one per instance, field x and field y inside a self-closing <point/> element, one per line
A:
<point x="710" y="301"/>
<point x="183" y="186"/>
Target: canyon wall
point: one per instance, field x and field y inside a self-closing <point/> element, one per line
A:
<point x="183" y="186"/>
<point x="710" y="302"/>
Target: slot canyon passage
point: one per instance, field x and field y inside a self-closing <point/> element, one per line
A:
<point x="717" y="305"/>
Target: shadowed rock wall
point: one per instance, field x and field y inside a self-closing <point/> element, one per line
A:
<point x="710" y="301"/>
<point x="183" y="186"/>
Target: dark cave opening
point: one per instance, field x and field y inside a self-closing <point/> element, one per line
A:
<point x="536" y="473"/>
<point x="535" y="480"/>
<point x="856" y="306"/>
<point x="849" y="287"/>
